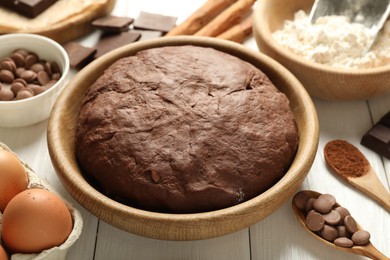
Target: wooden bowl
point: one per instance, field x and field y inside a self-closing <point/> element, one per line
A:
<point x="61" y="143"/>
<point x="321" y="81"/>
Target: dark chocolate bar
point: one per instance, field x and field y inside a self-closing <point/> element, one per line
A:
<point x="156" y="22"/>
<point x="28" y="8"/>
<point x="378" y="137"/>
<point x="114" y="24"/>
<point x="148" y="34"/>
<point x="108" y="42"/>
<point x="79" y="56"/>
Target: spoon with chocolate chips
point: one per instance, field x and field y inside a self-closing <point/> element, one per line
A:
<point x="333" y="224"/>
<point x="351" y="165"/>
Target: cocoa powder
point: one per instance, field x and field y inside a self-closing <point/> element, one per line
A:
<point x="345" y="158"/>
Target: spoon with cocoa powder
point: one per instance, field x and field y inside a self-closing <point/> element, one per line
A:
<point x="332" y="224"/>
<point x="351" y="165"/>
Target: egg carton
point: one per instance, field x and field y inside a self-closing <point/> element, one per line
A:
<point x="55" y="253"/>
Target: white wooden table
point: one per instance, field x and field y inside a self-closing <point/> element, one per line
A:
<point x="279" y="236"/>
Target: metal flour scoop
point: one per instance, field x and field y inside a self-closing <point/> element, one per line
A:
<point x="371" y="13"/>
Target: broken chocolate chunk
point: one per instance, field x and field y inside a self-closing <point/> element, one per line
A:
<point x="114" y="24"/>
<point x="148" y="34"/>
<point x="110" y="42"/>
<point x="378" y="137"/>
<point x="156" y="22"/>
<point x="27" y="8"/>
<point x="79" y="56"/>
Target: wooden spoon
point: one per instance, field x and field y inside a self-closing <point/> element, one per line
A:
<point x="367" y="250"/>
<point x="351" y="165"/>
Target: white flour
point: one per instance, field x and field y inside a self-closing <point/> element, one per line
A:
<point x="334" y="41"/>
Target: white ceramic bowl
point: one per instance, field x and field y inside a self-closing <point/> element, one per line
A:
<point x="35" y="109"/>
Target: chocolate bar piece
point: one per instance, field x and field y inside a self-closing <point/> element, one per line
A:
<point x="28" y="8"/>
<point x="378" y="137"/>
<point x="111" y="23"/>
<point x="147" y="34"/>
<point x="156" y="22"/>
<point x="79" y="56"/>
<point x="108" y="42"/>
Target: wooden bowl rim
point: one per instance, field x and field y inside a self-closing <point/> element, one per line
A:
<point x="261" y="29"/>
<point x="73" y="180"/>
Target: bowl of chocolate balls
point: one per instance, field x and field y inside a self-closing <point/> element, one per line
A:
<point x="183" y="138"/>
<point x="333" y="57"/>
<point x="33" y="71"/>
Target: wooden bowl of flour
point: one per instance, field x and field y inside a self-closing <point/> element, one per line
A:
<point x="320" y="81"/>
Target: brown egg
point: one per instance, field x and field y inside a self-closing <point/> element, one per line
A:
<point x="35" y="220"/>
<point x="3" y="254"/>
<point x="13" y="177"/>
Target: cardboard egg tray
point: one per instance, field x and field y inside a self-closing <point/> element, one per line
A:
<point x="59" y="252"/>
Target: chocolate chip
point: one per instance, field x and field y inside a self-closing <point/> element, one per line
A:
<point x="20" y="80"/>
<point x="30" y="60"/>
<point x="48" y="69"/>
<point x="309" y="204"/>
<point x="323" y="205"/>
<point x="18" y="59"/>
<point x="332" y="218"/>
<point x="343" y="242"/>
<point x="55" y="76"/>
<point x="28" y="75"/>
<point x="350" y="224"/>
<point x="311" y="212"/>
<point x="342" y="230"/>
<point x="361" y="237"/>
<point x="6" y="76"/>
<point x="19" y="71"/>
<point x="37" y="67"/>
<point x="329" y="233"/>
<point x="55" y="68"/>
<point x="343" y="213"/>
<point x="24" y="93"/>
<point x="300" y="199"/>
<point x="6" y="94"/>
<point x="43" y="77"/>
<point x="36" y="88"/>
<point x="8" y="64"/>
<point x="16" y="86"/>
<point x="315" y="222"/>
<point x="22" y="52"/>
<point x="329" y="197"/>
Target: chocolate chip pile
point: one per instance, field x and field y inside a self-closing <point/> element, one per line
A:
<point x="330" y="221"/>
<point x="24" y="75"/>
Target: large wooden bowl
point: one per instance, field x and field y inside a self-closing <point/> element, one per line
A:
<point x="61" y="141"/>
<point x="321" y="81"/>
